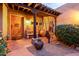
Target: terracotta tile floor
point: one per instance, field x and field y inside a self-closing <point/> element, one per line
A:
<point x="48" y="50"/>
<point x="16" y="44"/>
<point x="23" y="47"/>
<point x="20" y="45"/>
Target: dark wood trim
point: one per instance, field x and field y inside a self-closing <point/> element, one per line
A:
<point x="55" y="23"/>
<point x="22" y="22"/>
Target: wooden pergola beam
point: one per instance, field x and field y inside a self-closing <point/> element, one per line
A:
<point x="36" y="5"/>
<point x="18" y="7"/>
<point x="29" y="4"/>
<point x="45" y="9"/>
<point x="51" y="11"/>
<point x="48" y="11"/>
<point x="41" y="8"/>
<point x="13" y="7"/>
<point x="27" y="7"/>
<point x="24" y="9"/>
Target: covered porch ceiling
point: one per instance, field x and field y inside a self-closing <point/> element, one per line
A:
<point x="28" y="7"/>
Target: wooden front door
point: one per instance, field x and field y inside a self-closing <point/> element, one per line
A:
<point x="16" y="27"/>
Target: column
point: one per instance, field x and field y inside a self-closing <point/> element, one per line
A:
<point x="34" y="16"/>
<point x="55" y="23"/>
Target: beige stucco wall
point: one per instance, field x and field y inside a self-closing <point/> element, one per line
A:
<point x="69" y="17"/>
<point x="5" y="21"/>
<point x="69" y="14"/>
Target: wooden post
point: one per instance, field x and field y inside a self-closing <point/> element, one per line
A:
<point x="55" y="23"/>
<point x="34" y="16"/>
<point x="22" y="22"/>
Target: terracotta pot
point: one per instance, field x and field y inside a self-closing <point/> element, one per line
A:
<point x="42" y="33"/>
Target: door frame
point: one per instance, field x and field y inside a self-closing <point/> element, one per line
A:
<point x="22" y="24"/>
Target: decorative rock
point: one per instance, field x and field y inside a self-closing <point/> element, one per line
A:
<point x="77" y="48"/>
<point x="58" y="43"/>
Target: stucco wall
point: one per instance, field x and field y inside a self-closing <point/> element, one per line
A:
<point x="70" y="14"/>
<point x="30" y="17"/>
<point x="5" y="20"/>
<point x="0" y="17"/>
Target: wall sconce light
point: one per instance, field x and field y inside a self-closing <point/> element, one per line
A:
<point x="28" y="22"/>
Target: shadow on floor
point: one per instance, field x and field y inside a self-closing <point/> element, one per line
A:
<point x="42" y="52"/>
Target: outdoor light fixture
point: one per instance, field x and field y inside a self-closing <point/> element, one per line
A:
<point x="28" y="22"/>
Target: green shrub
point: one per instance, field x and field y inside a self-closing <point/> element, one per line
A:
<point x="3" y="45"/>
<point x="68" y="34"/>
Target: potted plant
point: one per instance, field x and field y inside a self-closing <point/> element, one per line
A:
<point x="38" y="44"/>
<point x="3" y="45"/>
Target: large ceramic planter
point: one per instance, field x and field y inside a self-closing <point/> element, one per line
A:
<point x="38" y="44"/>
